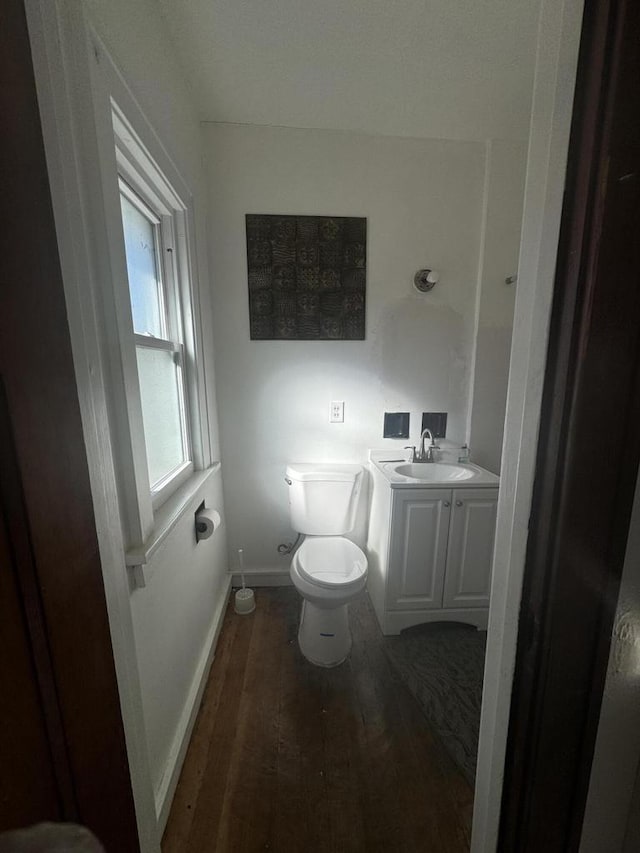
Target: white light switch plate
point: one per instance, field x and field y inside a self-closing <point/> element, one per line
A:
<point x="336" y="412"/>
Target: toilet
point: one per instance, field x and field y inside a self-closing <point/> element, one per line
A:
<point x="328" y="570"/>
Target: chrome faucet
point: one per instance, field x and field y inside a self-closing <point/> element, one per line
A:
<point x="426" y="454"/>
<point x="423" y="454"/>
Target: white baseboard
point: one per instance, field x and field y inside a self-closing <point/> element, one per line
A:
<point x="167" y="788"/>
<point x="263" y="577"/>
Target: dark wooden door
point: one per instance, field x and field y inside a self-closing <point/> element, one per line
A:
<point x="61" y="732"/>
<point x="32" y="786"/>
<point x="27" y="785"/>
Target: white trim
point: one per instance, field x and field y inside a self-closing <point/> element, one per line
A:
<point x="165" y="487"/>
<point x="56" y="32"/>
<point x="482" y="249"/>
<point x="194" y="364"/>
<point x="176" y="193"/>
<point x="155" y="343"/>
<point x="167" y="516"/>
<point x="166" y="790"/>
<point x="131" y="150"/>
<point x="137" y="198"/>
<point x="141" y="181"/>
<point x="122" y="380"/>
<point x="263" y="577"/>
<point x="556" y="63"/>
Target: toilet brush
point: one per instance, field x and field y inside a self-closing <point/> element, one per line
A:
<point x="245" y="599"/>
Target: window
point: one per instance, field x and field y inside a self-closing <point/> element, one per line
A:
<point x="155" y="311"/>
<point x="159" y="389"/>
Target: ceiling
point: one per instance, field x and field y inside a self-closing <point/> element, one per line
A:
<point x="455" y="69"/>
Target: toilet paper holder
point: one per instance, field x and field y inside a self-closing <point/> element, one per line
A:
<point x="206" y="522"/>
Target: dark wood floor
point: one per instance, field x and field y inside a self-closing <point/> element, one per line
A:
<point x="290" y="757"/>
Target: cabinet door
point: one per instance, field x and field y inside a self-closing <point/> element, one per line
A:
<point x="471" y="534"/>
<point x="418" y="548"/>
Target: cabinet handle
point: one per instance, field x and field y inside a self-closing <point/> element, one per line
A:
<point x="446" y="503"/>
<point x="458" y="503"/>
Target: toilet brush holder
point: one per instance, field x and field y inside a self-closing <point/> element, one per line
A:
<point x="245" y="601"/>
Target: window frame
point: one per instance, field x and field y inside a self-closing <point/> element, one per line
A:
<point x="144" y="183"/>
<point x="170" y="322"/>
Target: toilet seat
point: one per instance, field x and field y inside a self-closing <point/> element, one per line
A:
<point x="331" y="562"/>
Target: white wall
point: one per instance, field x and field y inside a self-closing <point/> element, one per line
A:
<point x="504" y="192"/>
<point x="176" y="618"/>
<point x="423" y="201"/>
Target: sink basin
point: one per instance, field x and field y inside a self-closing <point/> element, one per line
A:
<point x="434" y="472"/>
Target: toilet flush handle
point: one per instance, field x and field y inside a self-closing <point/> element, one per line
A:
<point x="287" y="481"/>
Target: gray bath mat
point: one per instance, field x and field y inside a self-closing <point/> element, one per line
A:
<point x="442" y="664"/>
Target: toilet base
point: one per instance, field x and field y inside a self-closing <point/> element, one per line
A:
<point x="324" y="636"/>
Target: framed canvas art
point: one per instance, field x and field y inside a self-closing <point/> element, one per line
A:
<point x="307" y="277"/>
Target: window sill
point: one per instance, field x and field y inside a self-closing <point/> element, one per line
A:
<point x="184" y="499"/>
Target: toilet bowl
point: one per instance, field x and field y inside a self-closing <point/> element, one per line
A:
<point x="328" y="570"/>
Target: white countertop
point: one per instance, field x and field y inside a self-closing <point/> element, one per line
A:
<point x="436" y="475"/>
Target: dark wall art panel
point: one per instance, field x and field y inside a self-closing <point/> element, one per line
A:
<point x="307" y="277"/>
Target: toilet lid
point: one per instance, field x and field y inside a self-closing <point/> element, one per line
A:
<point x="331" y="561"/>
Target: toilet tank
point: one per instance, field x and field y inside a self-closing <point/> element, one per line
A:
<point x="323" y="498"/>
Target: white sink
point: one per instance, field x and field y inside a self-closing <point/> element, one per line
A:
<point x="434" y="472"/>
<point x="446" y="474"/>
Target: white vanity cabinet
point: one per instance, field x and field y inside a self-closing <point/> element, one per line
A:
<point x="430" y="552"/>
<point x="418" y="548"/>
<point x="467" y="576"/>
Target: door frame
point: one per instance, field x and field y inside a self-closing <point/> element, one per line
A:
<point x="553" y="91"/>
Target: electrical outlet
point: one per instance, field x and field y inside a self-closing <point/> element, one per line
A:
<point x="336" y="412"/>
